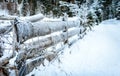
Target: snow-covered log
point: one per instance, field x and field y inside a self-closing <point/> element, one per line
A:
<point x="38" y="61"/>
<point x="51" y="40"/>
<point x="31" y="64"/>
<point x="33" y="18"/>
<point x="5" y="60"/>
<point x="7" y="17"/>
<point x="5" y="29"/>
<point x="26" y="30"/>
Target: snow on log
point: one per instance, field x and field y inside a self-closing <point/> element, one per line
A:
<point x="40" y="60"/>
<point x="5" y="60"/>
<point x="34" y="63"/>
<point x="7" y="17"/>
<point x="26" y="30"/>
<point x="31" y="64"/>
<point x="52" y="40"/>
<point x="33" y="18"/>
<point x="5" y="29"/>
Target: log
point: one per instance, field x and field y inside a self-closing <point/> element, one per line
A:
<point x="33" y="18"/>
<point x="51" y="40"/>
<point x="5" y="61"/>
<point x="29" y="66"/>
<point x="26" y="30"/>
<point x="50" y="56"/>
<point x="3" y="71"/>
<point x="7" y="17"/>
<point x="34" y="63"/>
<point x="5" y="29"/>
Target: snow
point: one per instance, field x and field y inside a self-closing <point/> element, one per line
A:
<point x="97" y="54"/>
<point x="3" y="12"/>
<point x="59" y="19"/>
<point x="33" y="18"/>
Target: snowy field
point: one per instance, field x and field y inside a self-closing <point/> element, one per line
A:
<point x="97" y="54"/>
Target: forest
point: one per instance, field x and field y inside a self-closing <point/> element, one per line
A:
<point x="110" y="8"/>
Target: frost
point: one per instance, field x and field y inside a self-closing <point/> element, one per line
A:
<point x="23" y="29"/>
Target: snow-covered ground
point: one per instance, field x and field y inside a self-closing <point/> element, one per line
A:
<point x="97" y="54"/>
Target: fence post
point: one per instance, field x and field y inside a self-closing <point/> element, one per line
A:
<point x="15" y="42"/>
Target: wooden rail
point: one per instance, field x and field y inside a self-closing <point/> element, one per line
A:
<point x="27" y="30"/>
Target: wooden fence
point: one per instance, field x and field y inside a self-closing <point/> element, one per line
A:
<point x="32" y="37"/>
